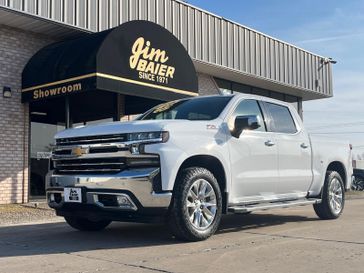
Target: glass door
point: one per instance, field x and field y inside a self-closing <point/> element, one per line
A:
<point x="42" y="138"/>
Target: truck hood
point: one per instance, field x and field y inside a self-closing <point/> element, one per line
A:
<point x="131" y="127"/>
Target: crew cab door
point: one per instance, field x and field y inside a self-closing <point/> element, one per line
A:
<point x="294" y="151"/>
<point x="253" y="157"/>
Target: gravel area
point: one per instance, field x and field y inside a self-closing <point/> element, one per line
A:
<point x="29" y="213"/>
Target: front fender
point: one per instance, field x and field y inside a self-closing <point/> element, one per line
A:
<point x="177" y="150"/>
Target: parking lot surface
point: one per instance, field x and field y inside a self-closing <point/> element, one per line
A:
<point x="284" y="240"/>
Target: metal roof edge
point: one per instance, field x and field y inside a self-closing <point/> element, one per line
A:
<point x="249" y="28"/>
<point x="315" y="94"/>
<point x="44" y="19"/>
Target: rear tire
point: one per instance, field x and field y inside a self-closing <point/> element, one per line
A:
<point x="84" y="224"/>
<point x="196" y="210"/>
<point x="333" y="197"/>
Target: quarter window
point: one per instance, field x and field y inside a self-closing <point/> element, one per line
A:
<point x="282" y="118"/>
<point x="245" y="108"/>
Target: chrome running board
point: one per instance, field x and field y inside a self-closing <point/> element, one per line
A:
<point x="272" y="205"/>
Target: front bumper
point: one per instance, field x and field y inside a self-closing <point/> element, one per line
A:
<point x="135" y="187"/>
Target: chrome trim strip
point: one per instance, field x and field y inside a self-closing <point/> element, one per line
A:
<point x="89" y="170"/>
<point x="88" y="146"/>
<point x="162" y="195"/>
<point x="266" y="206"/>
<point x="89" y="164"/>
<point x="61" y="140"/>
<point x="56" y="157"/>
<point x="124" y="144"/>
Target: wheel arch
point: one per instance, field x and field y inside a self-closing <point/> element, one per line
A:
<point x="340" y="168"/>
<point x="215" y="166"/>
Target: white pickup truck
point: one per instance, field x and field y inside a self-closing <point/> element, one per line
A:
<point x="187" y="162"/>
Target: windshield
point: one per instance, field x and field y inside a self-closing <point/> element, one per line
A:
<point x="191" y="109"/>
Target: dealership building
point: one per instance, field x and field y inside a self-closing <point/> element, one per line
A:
<point x="65" y="63"/>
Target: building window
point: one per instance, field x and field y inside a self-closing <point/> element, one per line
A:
<point x="229" y="87"/>
<point x="241" y="88"/>
<point x="224" y="86"/>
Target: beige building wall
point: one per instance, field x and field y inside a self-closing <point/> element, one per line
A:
<point x="16" y="48"/>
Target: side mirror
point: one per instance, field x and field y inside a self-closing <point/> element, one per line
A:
<point x="241" y="123"/>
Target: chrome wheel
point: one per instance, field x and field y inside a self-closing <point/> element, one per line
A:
<point x="335" y="196"/>
<point x="201" y="204"/>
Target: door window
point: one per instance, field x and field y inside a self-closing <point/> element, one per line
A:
<point x="40" y="153"/>
<point x="282" y="118"/>
<point x="246" y="108"/>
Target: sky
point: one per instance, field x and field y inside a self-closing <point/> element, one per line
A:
<point x="330" y="28"/>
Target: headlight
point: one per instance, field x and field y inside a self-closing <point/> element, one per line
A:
<point x="148" y="137"/>
<point x="139" y="140"/>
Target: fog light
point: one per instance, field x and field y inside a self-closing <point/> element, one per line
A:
<point x="125" y="202"/>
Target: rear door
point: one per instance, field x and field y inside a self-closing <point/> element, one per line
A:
<point x="294" y="151"/>
<point x="253" y="158"/>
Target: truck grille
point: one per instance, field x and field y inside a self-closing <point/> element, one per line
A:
<point x="97" y="154"/>
<point x="94" y="165"/>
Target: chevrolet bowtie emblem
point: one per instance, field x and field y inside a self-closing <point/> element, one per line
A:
<point x="78" y="151"/>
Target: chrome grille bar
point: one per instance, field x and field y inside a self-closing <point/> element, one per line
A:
<point x="88" y="170"/>
<point x="89" y="164"/>
<point x="91" y="139"/>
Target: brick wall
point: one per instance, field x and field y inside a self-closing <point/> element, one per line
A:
<point x="16" y="48"/>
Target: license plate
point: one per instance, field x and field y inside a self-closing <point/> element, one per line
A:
<point x="72" y="195"/>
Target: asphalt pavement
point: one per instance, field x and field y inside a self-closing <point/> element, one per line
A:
<point x="282" y="240"/>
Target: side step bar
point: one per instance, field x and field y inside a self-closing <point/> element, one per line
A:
<point x="272" y="205"/>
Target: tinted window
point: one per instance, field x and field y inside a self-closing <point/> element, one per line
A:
<point x="282" y="119"/>
<point x="249" y="107"/>
<point x="191" y="109"/>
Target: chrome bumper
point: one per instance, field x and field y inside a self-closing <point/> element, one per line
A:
<point x="129" y="184"/>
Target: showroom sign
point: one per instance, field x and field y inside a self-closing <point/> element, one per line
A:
<point x="138" y="58"/>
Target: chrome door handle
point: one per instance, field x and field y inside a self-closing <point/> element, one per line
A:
<point x="269" y="143"/>
<point x="304" y="146"/>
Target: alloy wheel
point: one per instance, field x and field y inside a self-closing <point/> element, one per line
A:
<point x="201" y="204"/>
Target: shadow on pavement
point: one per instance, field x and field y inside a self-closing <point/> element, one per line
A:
<point x="236" y="222"/>
<point x="53" y="238"/>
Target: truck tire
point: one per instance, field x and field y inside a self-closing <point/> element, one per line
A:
<point x="333" y="197"/>
<point x="195" y="213"/>
<point x="84" y="224"/>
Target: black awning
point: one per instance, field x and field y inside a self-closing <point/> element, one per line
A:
<point x="138" y="58"/>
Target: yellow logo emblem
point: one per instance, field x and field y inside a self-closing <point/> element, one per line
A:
<point x="78" y="151"/>
<point x="150" y="62"/>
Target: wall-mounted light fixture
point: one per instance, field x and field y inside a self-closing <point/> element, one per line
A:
<point x="6" y="92"/>
<point x="328" y="60"/>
